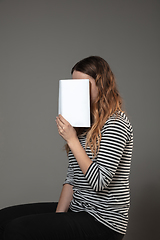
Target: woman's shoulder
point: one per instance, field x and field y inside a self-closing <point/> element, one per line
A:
<point x="117" y="121"/>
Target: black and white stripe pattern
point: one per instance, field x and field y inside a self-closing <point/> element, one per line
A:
<point x="104" y="190"/>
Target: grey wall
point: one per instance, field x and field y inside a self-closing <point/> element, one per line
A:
<point x="40" y="41"/>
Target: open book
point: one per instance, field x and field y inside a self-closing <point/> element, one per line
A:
<point x="74" y="101"/>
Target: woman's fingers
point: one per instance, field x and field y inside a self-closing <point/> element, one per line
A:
<point x="59" y="123"/>
<point x="65" y="129"/>
<point x="62" y="123"/>
<point x="62" y="119"/>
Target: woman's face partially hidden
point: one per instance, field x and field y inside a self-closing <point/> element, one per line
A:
<point x="93" y="87"/>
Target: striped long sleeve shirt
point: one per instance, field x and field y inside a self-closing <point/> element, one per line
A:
<point x="104" y="190"/>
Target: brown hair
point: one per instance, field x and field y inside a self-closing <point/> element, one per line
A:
<point x="107" y="102"/>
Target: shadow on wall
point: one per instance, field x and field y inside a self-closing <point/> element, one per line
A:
<point x="144" y="215"/>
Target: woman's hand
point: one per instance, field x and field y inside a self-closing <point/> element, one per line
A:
<point x="69" y="134"/>
<point x="65" y="129"/>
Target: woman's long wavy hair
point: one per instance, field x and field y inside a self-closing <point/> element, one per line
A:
<point x="107" y="102"/>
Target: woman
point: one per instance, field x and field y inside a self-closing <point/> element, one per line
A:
<point x="95" y="197"/>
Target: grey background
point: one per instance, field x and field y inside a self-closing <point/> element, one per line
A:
<point x="40" y="42"/>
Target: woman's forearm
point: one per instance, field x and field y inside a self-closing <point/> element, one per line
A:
<point x="78" y="151"/>
<point x="65" y="198"/>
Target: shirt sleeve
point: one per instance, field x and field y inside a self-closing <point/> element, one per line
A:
<point x="113" y="141"/>
<point x="70" y="176"/>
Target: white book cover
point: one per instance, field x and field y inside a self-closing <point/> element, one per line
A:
<point x="74" y="101"/>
